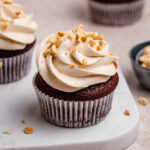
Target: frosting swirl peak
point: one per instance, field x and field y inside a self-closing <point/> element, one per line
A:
<point x="73" y="60"/>
<point x="16" y="28"/>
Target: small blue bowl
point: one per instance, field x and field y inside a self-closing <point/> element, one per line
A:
<point x="143" y="74"/>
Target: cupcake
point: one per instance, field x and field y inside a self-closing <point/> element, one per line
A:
<point x="76" y="78"/>
<point x="17" y="39"/>
<point x="116" y="12"/>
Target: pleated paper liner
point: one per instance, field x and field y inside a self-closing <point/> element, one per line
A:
<point x="15" y="68"/>
<point x="116" y="14"/>
<point x="73" y="114"/>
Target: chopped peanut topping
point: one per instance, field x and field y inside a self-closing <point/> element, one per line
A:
<point x="8" y="1"/>
<point x="81" y="26"/>
<point x="61" y="34"/>
<point x="18" y="13"/>
<point x="101" y="43"/>
<point x="99" y="48"/>
<point x="83" y="38"/>
<point x="9" y="131"/>
<point x="66" y="53"/>
<point x="4" y="26"/>
<point x="84" y="62"/>
<point x="99" y="37"/>
<point x="92" y="35"/>
<point x="53" y="50"/>
<point x="92" y="43"/>
<point x="50" y="40"/>
<point x="72" y="66"/>
<point x="143" y="101"/>
<point x="78" y="28"/>
<point x="126" y="112"/>
<point x="1" y="64"/>
<point x="23" y="121"/>
<point x="58" y="42"/>
<point x="72" y="51"/>
<point x="77" y="38"/>
<point x="70" y="37"/>
<point x="111" y="54"/>
<point x="12" y="21"/>
<point x="46" y="52"/>
<point x="116" y="65"/>
<point x="28" y="130"/>
<point x="85" y="45"/>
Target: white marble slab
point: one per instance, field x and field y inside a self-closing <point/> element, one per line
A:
<point x="18" y="101"/>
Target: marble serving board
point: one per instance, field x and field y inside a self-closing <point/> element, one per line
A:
<point x="18" y="101"/>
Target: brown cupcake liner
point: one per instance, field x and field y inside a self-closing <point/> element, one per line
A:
<point x="72" y="114"/>
<point x="16" y="67"/>
<point x="116" y="14"/>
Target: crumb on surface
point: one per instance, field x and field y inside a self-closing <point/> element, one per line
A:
<point x="28" y="130"/>
<point x="126" y="112"/>
<point x="23" y="121"/>
<point x="143" y="101"/>
<point x="9" y="131"/>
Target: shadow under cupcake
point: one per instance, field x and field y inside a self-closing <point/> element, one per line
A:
<point x="76" y="78"/>
<point x="17" y="40"/>
<point x="116" y="12"/>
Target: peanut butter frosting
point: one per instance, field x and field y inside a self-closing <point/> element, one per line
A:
<point x="73" y="60"/>
<point x="16" y="28"/>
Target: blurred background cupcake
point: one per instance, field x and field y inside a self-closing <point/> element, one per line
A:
<point x="17" y="38"/>
<point x="116" y="12"/>
<point x="76" y="79"/>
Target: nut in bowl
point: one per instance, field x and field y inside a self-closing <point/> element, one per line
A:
<point x="140" y="59"/>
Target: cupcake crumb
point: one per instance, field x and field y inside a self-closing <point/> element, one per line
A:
<point x="1" y="64"/>
<point x="23" y="121"/>
<point x="28" y="130"/>
<point x="9" y="131"/>
<point x="126" y="112"/>
<point x="143" y="101"/>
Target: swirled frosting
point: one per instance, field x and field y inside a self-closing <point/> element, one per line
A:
<point x="73" y="60"/>
<point x="16" y="28"/>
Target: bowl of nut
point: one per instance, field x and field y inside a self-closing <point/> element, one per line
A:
<point x="140" y="59"/>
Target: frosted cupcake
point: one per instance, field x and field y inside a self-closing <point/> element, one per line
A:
<point x="76" y="78"/>
<point x="17" y="39"/>
<point x="116" y="12"/>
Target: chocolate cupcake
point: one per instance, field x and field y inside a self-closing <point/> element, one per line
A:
<point x="17" y="39"/>
<point x="76" y="78"/>
<point x="116" y="12"/>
